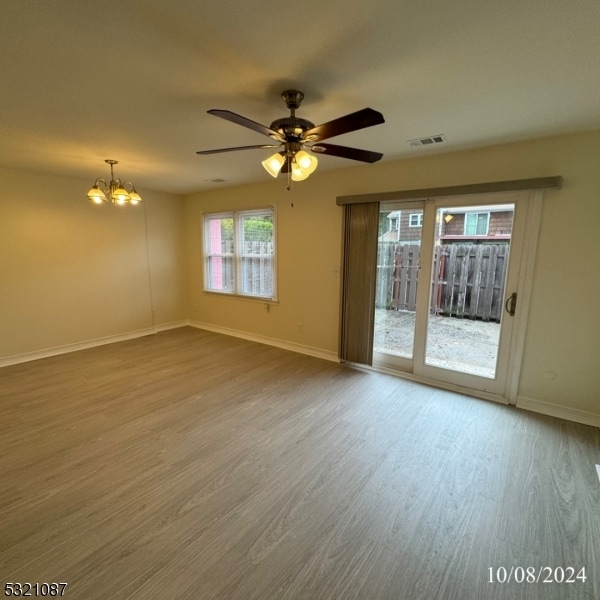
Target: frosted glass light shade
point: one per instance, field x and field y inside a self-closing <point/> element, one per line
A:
<point x="96" y="195"/>
<point x="298" y="173"/>
<point x="273" y="164"/>
<point x="120" y="196"/>
<point x="134" y="197"/>
<point x="307" y="162"/>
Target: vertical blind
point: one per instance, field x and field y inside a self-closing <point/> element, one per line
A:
<point x="359" y="277"/>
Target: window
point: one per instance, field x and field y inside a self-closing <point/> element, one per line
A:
<point x="393" y="223"/>
<point x="239" y="253"/>
<point x="415" y="219"/>
<point x="477" y="223"/>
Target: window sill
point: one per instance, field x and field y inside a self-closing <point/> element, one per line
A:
<point x="262" y="299"/>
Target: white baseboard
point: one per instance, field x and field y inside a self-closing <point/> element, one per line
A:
<point x="46" y="353"/>
<point x="556" y="410"/>
<point x="261" y="339"/>
<point x="537" y="406"/>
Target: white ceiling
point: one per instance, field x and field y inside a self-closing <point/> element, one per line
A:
<point x="85" y="80"/>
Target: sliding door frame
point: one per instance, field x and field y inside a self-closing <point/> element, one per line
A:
<point x="526" y="268"/>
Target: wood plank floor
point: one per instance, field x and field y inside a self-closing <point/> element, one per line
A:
<point x="193" y="465"/>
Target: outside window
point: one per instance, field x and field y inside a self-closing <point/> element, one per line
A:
<point x="477" y="223"/>
<point x="415" y="219"/>
<point x="394" y="223"/>
<point x="239" y="253"/>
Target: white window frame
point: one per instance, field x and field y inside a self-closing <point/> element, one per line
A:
<point x="237" y="256"/>
<point x="419" y="219"/>
<point x="476" y="214"/>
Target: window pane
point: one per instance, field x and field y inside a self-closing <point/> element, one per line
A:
<point x="257" y="252"/>
<point x="257" y="234"/>
<point x="257" y="276"/>
<point x="415" y="220"/>
<point x="220" y="273"/>
<point x="467" y="294"/>
<point x="470" y="223"/>
<point x="396" y="289"/>
<point x="482" y="221"/>
<point x="219" y="232"/>
<point x="476" y="223"/>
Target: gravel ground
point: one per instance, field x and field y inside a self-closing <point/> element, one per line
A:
<point x="457" y="344"/>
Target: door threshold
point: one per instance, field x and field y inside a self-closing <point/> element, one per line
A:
<point x="450" y="387"/>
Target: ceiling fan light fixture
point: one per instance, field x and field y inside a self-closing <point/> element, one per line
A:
<point x="274" y="164"/>
<point x="294" y="134"/>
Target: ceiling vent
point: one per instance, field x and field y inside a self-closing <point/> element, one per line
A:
<point x="428" y="141"/>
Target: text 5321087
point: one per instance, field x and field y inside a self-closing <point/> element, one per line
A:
<point x="27" y="589"/>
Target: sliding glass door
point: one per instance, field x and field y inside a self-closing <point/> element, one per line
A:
<point x="447" y="275"/>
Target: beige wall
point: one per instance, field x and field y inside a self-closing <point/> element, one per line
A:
<point x="564" y="326"/>
<point x="71" y="272"/>
<point x="308" y="251"/>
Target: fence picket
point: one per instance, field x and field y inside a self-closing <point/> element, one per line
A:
<point x="478" y="265"/>
<point x="488" y="292"/>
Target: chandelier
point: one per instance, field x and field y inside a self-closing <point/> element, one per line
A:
<point x="115" y="191"/>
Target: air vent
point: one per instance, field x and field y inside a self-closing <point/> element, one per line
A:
<point x="428" y="141"/>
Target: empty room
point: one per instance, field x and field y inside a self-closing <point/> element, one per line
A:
<point x="300" y="303"/>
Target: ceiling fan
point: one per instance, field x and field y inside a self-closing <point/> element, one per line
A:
<point x="296" y="136"/>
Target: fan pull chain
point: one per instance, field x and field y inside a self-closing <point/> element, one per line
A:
<point x="289" y="184"/>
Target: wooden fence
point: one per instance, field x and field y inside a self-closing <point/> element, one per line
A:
<point x="468" y="279"/>
<point x="397" y="274"/>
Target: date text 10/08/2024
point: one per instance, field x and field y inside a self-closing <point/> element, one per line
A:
<point x="27" y="589"/>
<point x="537" y="575"/>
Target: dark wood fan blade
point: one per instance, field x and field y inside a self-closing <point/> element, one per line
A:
<point x="239" y="120"/>
<point x="346" y="152"/>
<point x="367" y="117"/>
<point x="219" y="150"/>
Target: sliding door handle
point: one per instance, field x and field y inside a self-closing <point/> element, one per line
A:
<point x="511" y="304"/>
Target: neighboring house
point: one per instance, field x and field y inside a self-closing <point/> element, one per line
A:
<point x="404" y="226"/>
<point x="475" y="224"/>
